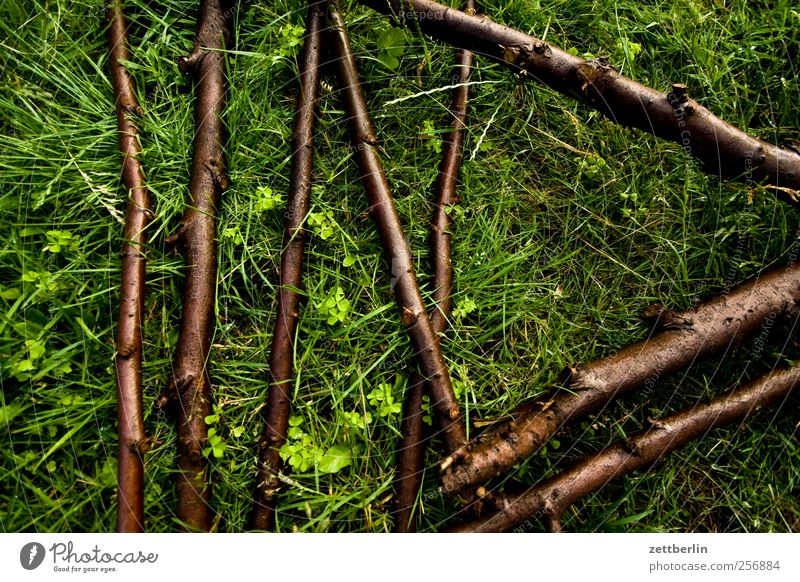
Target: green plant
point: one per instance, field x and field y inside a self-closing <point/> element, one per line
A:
<point x="214" y="417"/>
<point x="216" y="445"/>
<point x="58" y="240"/>
<point x="382" y="400"/>
<point x="301" y="452"/>
<point x="335" y="459"/>
<point x="357" y="420"/>
<point x="627" y="50"/>
<point x="591" y="166"/>
<point x="290" y="38"/>
<point x="22" y="364"/>
<point x="391" y="46"/>
<point x="432" y="139"/>
<point x="334" y="307"/>
<point x="46" y="283"/>
<point x="322" y="224"/>
<point x="232" y="233"/>
<point x="464" y="307"/>
<point x="266" y="199"/>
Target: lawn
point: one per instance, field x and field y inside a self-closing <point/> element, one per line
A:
<point x="568" y="227"/>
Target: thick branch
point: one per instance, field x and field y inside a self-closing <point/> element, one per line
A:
<point x="196" y="235"/>
<point x="281" y="362"/>
<point x="551" y="500"/>
<point x="411" y="454"/>
<point x="425" y="342"/>
<point x="677" y="340"/>
<point x="722" y="148"/>
<point x="132" y="441"/>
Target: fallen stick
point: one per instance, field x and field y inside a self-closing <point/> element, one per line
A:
<point x="132" y="440"/>
<point x="676" y="341"/>
<point x="722" y="148"/>
<point x="410" y="455"/>
<point x="398" y="255"/>
<point x="551" y="499"/>
<point x="281" y="361"/>
<point x="196" y="235"/>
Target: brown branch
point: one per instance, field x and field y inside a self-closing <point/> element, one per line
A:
<point x="550" y="500"/>
<point x="191" y="385"/>
<point x="410" y="455"/>
<point x="722" y="148"/>
<point x="677" y="340"/>
<point x="132" y="440"/>
<point x="423" y="338"/>
<point x="281" y="362"/>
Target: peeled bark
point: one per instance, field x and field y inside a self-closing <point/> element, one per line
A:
<point x="423" y="338"/>
<point x="411" y="454"/>
<point x="191" y="385"/>
<point x="722" y="148"/>
<point x="132" y="441"/>
<point x="550" y="500"/>
<point x="676" y="341"/>
<point x="281" y="362"/>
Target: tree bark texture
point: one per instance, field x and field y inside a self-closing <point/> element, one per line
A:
<point x="550" y="500"/>
<point x="676" y="341"/>
<point x="132" y="441"/>
<point x="196" y="235"/>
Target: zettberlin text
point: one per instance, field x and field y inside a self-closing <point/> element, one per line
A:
<point x="674" y="549"/>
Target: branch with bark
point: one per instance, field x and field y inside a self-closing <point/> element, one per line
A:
<point x="410" y="455"/>
<point x="550" y="500"/>
<point x="721" y="148"/>
<point x="676" y="341"/>
<point x="276" y="413"/>
<point x="132" y="440"/>
<point x="190" y="386"/>
<point x="427" y="351"/>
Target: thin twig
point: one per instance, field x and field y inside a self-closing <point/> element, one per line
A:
<point x="132" y="441"/>
<point x="723" y="149"/>
<point x="427" y="351"/>
<point x="281" y="362"/>
<point x="410" y="455"/>
<point x="196" y="235"/>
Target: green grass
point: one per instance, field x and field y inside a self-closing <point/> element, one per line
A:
<point x="569" y="226"/>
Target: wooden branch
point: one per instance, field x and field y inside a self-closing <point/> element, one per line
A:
<point x="676" y="341"/>
<point x="410" y="457"/>
<point x="281" y="362"/>
<point x="411" y="454"/>
<point x="723" y="149"/>
<point x="550" y="500"/>
<point x="196" y="235"/>
<point x="398" y="255"/>
<point x="132" y="440"/>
